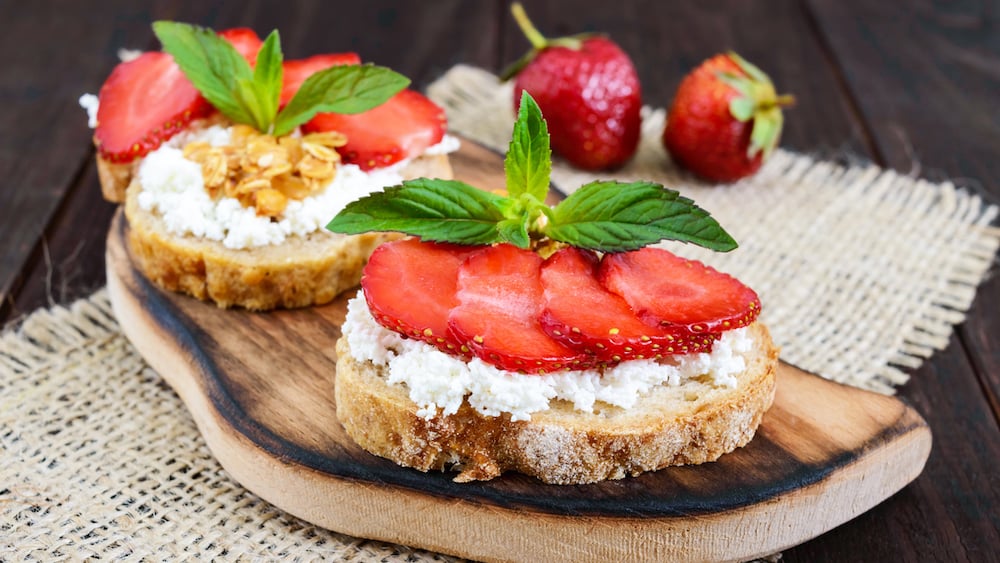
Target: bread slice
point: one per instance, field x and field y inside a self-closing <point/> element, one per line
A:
<point x="693" y="423"/>
<point x="301" y="271"/>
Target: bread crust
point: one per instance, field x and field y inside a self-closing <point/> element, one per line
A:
<point x="115" y="178"/>
<point x="690" y="424"/>
<point x="302" y="271"/>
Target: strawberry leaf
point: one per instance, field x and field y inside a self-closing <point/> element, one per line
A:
<point x="436" y="210"/>
<point x="741" y="108"/>
<point x="340" y="89"/>
<point x="529" y="160"/>
<point x="616" y="217"/>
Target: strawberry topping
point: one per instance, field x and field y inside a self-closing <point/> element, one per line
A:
<point x="582" y="314"/>
<point x="245" y="40"/>
<point x="500" y="298"/>
<point x="142" y="103"/>
<point x="672" y="292"/>
<point x="296" y="72"/>
<point x="410" y="288"/>
<point x="403" y="127"/>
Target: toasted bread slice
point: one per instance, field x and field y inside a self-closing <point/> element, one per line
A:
<point x="299" y="272"/>
<point x="693" y="423"/>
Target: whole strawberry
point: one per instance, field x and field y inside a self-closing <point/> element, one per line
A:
<point x="725" y="119"/>
<point x="588" y="91"/>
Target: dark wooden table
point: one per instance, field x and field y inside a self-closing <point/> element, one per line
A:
<point x="914" y="87"/>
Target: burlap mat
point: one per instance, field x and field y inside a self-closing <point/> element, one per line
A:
<point x="861" y="271"/>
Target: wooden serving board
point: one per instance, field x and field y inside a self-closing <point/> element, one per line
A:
<point x="260" y="388"/>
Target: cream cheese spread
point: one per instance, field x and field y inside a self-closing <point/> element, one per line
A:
<point x="437" y="381"/>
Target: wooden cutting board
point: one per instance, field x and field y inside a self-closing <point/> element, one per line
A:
<point x="260" y="388"/>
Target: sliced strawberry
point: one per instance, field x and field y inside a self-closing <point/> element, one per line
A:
<point x="500" y="298"/>
<point x="142" y="103"/>
<point x="296" y="72"/>
<point x="667" y="290"/>
<point x="403" y="127"/>
<point x="245" y="40"/>
<point x="410" y="288"/>
<point x="582" y="314"/>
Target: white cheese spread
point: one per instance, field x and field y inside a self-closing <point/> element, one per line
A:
<point x="439" y="381"/>
<point x="173" y="188"/>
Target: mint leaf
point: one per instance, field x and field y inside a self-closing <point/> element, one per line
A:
<point x="212" y="65"/>
<point x="529" y="160"/>
<point x="515" y="231"/>
<point x="340" y="89"/>
<point x="267" y="76"/>
<point x="437" y="210"/>
<point x="616" y="217"/>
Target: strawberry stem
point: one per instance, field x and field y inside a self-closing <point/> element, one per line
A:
<point x="784" y="101"/>
<point x="534" y="36"/>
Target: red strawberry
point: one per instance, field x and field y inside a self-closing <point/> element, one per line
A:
<point x="142" y="103"/>
<point x="403" y="127"/>
<point x="670" y="291"/>
<point x="419" y="307"/>
<point x="588" y="91"/>
<point x="725" y="119"/>
<point x="295" y="72"/>
<point x="500" y="299"/>
<point x="245" y="40"/>
<point x="582" y="314"/>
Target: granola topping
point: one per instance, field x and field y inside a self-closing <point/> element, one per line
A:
<point x="265" y="172"/>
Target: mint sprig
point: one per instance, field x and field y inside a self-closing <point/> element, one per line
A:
<point x="605" y="216"/>
<point x="251" y="95"/>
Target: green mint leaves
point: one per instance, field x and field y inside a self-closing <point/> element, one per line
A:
<point x="251" y="95"/>
<point x="528" y="164"/>
<point x="604" y="216"/>
<point x="615" y="217"/>
<point x="440" y="210"/>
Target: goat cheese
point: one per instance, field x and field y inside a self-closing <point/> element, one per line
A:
<point x="439" y="381"/>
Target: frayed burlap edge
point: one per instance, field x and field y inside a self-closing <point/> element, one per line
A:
<point x="100" y="460"/>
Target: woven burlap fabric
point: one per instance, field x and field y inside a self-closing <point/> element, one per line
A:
<point x="861" y="272"/>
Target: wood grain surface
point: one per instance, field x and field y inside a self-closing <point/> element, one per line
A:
<point x="260" y="387"/>
<point x="909" y="85"/>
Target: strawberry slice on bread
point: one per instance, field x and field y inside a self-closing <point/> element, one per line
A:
<point x="410" y="288"/>
<point x="672" y="292"/>
<point x="144" y="102"/>
<point x="147" y="100"/>
<point x="582" y="314"/>
<point x="500" y="298"/>
<point x="403" y="127"/>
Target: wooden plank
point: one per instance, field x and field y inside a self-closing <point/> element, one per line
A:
<point x="926" y="80"/>
<point x="922" y="81"/>
<point x="668" y="39"/>
<point x="65" y="260"/>
<point x="46" y="141"/>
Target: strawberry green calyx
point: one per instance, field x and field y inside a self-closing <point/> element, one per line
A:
<point x="604" y="216"/>
<point x="538" y="41"/>
<point x="757" y="100"/>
